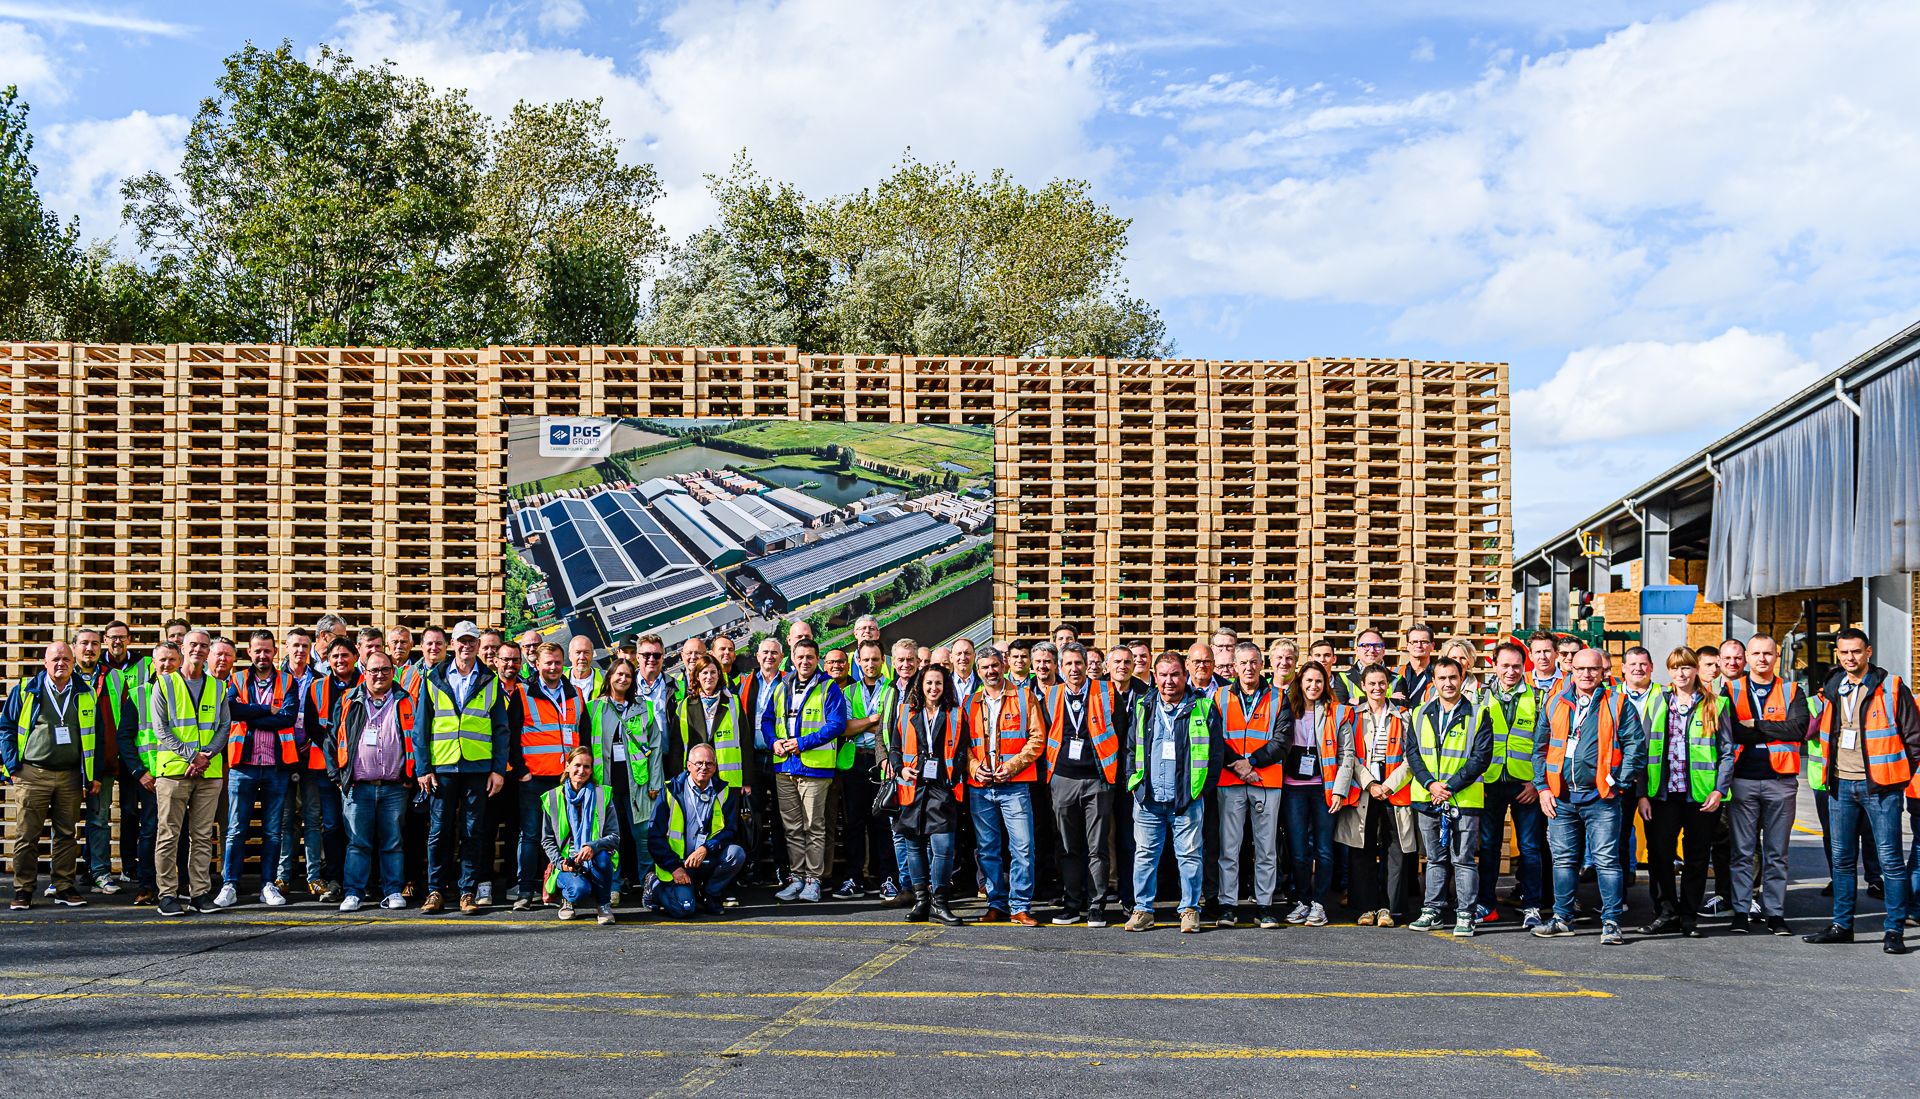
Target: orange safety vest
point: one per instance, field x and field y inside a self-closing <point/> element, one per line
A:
<point x="325" y="704"/>
<point x="1782" y="756"/>
<point x="550" y="731"/>
<point x="1887" y="762"/>
<point x="1011" y="734"/>
<point x="909" y="776"/>
<point x="1396" y="758"/>
<point x="1560" y="727"/>
<point x="1248" y="732"/>
<point x="1334" y="715"/>
<point x="1106" y="744"/>
<point x="237" y="741"/>
<point x="404" y="702"/>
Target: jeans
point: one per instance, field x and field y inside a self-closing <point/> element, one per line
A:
<point x="459" y="809"/>
<point x="926" y="862"/>
<point x="1003" y="825"/>
<point x="374" y="813"/>
<point x="1310" y="841"/>
<point x="99" y="836"/>
<point x="1152" y="822"/>
<point x="1461" y="855"/>
<point x="1598" y="822"/>
<point x="711" y="880"/>
<point x="1851" y="800"/>
<point x="245" y="784"/>
<point x="640" y="806"/>
<point x="1869" y="850"/>
<point x="1913" y="857"/>
<point x="533" y="860"/>
<point x="312" y="812"/>
<point x="1530" y="835"/>
<point x="593" y="880"/>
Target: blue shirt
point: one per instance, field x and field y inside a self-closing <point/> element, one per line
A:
<point x="462" y="684"/>
<point x="1163" y="777"/>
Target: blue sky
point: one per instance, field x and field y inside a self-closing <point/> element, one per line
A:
<point x="1666" y="217"/>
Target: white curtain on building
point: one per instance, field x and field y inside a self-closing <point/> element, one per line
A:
<point x="1887" y="515"/>
<point x="1783" y="511"/>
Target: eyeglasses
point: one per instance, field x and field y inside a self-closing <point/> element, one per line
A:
<point x="650" y="656"/>
<point x="1372" y="645"/>
<point x="379" y="671"/>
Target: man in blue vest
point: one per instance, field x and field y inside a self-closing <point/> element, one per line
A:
<point x="693" y="839"/>
<point x="48" y="731"/>
<point x="1178" y="746"/>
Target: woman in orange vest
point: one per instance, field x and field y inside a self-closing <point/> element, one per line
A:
<point x="1314" y="760"/>
<point x="1377" y="828"/>
<point x="924" y="758"/>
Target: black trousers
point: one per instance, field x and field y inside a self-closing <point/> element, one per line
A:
<point x="866" y="839"/>
<point x="1676" y="816"/>
<point x="1376" y="871"/>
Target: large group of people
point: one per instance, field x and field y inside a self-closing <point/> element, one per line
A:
<point x="1049" y="780"/>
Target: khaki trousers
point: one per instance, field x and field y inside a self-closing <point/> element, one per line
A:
<point x="42" y="793"/>
<point x="803" y="815"/>
<point x="192" y="805"/>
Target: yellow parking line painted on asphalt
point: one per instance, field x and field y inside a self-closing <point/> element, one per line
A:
<point x="407" y="1055"/>
<point x="858" y="994"/>
<point x="1000" y="994"/>
<point x="1532" y="1058"/>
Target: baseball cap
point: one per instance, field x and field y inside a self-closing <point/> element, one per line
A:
<point x="465" y="629"/>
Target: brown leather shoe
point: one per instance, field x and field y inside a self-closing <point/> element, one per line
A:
<point x="145" y="897"/>
<point x="316" y="887"/>
<point x="994" y="915"/>
<point x="434" y="902"/>
<point x="467" y="904"/>
<point x="1024" y="919"/>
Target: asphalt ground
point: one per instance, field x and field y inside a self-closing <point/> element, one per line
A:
<point x="845" y="998"/>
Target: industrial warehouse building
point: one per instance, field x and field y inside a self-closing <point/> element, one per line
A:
<point x="612" y="557"/>
<point x="243" y="485"/>
<point x="848" y="558"/>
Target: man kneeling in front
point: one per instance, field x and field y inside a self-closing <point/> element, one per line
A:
<point x="692" y="839"/>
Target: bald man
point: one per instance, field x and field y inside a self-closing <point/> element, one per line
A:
<point x="48" y="730"/>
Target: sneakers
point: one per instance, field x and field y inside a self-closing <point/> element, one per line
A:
<point x="1427" y="920"/>
<point x="168" y="906"/>
<point x="606" y="915"/>
<point x="522" y="904"/>
<point x="145" y="897"/>
<point x="483" y="894"/>
<point x="1067" y="918"/>
<point x="514" y="894"/>
<point x="1741" y="924"/>
<point x="1229" y="918"/>
<point x="1299" y="913"/>
<point x="810" y="892"/>
<point x="105" y="885"/>
<point x="1383" y="918"/>
<point x="1610" y="934"/>
<point x="1267" y="919"/>
<point x="21" y="902"/>
<point x="566" y="910"/>
<point x="70" y="899"/>
<point x="848" y="890"/>
<point x="1097" y="916"/>
<point x="1463" y="927"/>
<point x="273" y="897"/>
<point x="316" y="888"/>
<point x="1893" y="942"/>
<point x="889" y="892"/>
<point x="1554" y="928"/>
<point x="434" y="903"/>
<point x="792" y="891"/>
<point x="1483" y="914"/>
<point x="227" y="897"/>
<point x="394" y="901"/>
<point x="1367" y="919"/>
<point x="1189" y="921"/>
<point x="1316" y="915"/>
<point x="1778" y="925"/>
<point x="350" y="903"/>
<point x="731" y="900"/>
<point x="1141" y="920"/>
<point x="1716" y="906"/>
<point x="1530" y="919"/>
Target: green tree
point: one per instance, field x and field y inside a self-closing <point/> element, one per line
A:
<point x="38" y="254"/>
<point x="914" y="576"/>
<point x="861" y="603"/>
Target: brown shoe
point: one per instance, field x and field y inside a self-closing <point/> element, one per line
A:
<point x="316" y="887"/>
<point x="467" y="905"/>
<point x="1189" y="921"/>
<point x="1141" y="920"/>
<point x="994" y="915"/>
<point x="146" y="897"/>
<point x="1023" y="919"/>
<point x="1366" y="919"/>
<point x="434" y="902"/>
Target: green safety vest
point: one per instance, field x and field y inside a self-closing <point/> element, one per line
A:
<point x="1199" y="744"/>
<point x="728" y="755"/>
<point x="857" y="709"/>
<point x="1703" y="752"/>
<point x="194" y="725"/>
<point x="83" y="714"/>
<point x="1445" y="755"/>
<point x="143" y="739"/>
<point x="554" y="804"/>
<point x="1816" y="754"/>
<point x="640" y="727"/>
<point x="813" y="716"/>
<point x="1513" y="745"/>
<point x="677" y="828"/>
<point x="461" y="734"/>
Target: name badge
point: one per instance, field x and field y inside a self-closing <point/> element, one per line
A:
<point x="1167" y="750"/>
<point x="1307" y="764"/>
<point x="930" y="767"/>
<point x="1075" y="748"/>
<point x="1849" y="739"/>
<point x="61" y="735"/>
<point x="619" y="751"/>
<point x="370" y="737"/>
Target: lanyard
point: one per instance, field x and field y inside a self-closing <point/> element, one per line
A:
<point x="59" y="713"/>
<point x="581" y="819"/>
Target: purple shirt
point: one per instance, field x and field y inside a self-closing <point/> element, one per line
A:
<point x="263" y="745"/>
<point x="382" y="753"/>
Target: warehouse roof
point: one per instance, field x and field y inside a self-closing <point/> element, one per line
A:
<point x="741" y="526"/>
<point x="799" y="575"/>
<point x="650" y="602"/>
<point x="659" y="486"/>
<point x="800" y="504"/>
<point x="762" y="512"/>
<point x="589" y="560"/>
<point x="708" y="541"/>
<point x="646" y="543"/>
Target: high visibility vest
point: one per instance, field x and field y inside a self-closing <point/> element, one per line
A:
<point x="1009" y="736"/>
<point x="237" y="741"/>
<point x="594" y="689"/>
<point x="553" y="804"/>
<point x="1199" y="744"/>
<point x="1444" y="752"/>
<point x="550" y="732"/>
<point x="1397" y="776"/>
<point x="1100" y="731"/>
<point x="1880" y="743"/>
<point x="1249" y="731"/>
<point x="1782" y="756"/>
<point x="193" y="724"/>
<point x="144" y="743"/>
<point x="1335" y="716"/>
<point x="1426" y="693"/>
<point x="410" y="676"/>
<point x="403" y="702"/>
<point x="461" y="734"/>
<point x="1560" y="726"/>
<point x="910" y="751"/>
<point x="677" y="827"/>
<point x="1350" y="680"/>
<point x="1703" y="748"/>
<point x="324" y="699"/>
<point x="112" y="686"/>
<point x="1652" y="710"/>
<point x="813" y="717"/>
<point x="84" y="715"/>
<point x="1513" y="743"/>
<point x="857" y="710"/>
<point x="730" y="742"/>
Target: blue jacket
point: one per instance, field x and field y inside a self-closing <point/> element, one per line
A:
<point x="423" y="725"/>
<point x="775" y="728"/>
<point x="11" y="735"/>
<point x="1628" y="734"/>
<point x="663" y="855"/>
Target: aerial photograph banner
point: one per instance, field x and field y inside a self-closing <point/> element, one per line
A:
<point x="698" y="528"/>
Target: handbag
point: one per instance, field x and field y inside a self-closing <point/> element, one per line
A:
<point x="886" y="799"/>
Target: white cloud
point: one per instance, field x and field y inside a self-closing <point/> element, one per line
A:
<point x="89" y="160"/>
<point x="1216" y="91"/>
<point x="71" y="15"/>
<point x="1646" y="388"/>
<point x="29" y="63"/>
<point x="1422" y="50"/>
<point x="562" y="16"/>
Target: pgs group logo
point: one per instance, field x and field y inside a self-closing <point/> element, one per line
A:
<point x="575" y="437"/>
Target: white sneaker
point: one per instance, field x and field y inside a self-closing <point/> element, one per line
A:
<point x="1317" y="915"/>
<point x="105" y="884"/>
<point x="394" y="900"/>
<point x="484" y="894"/>
<point x="350" y="904"/>
<point x="1299" y="913"/>
<point x="227" y="897"/>
<point x="270" y="895"/>
<point x="613" y="897"/>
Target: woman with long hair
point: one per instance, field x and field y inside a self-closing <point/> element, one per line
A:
<point x="1689" y="773"/>
<point x="1315" y="761"/>
<point x="924" y="756"/>
<point x="630" y="761"/>
<point x="1377" y="828"/>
